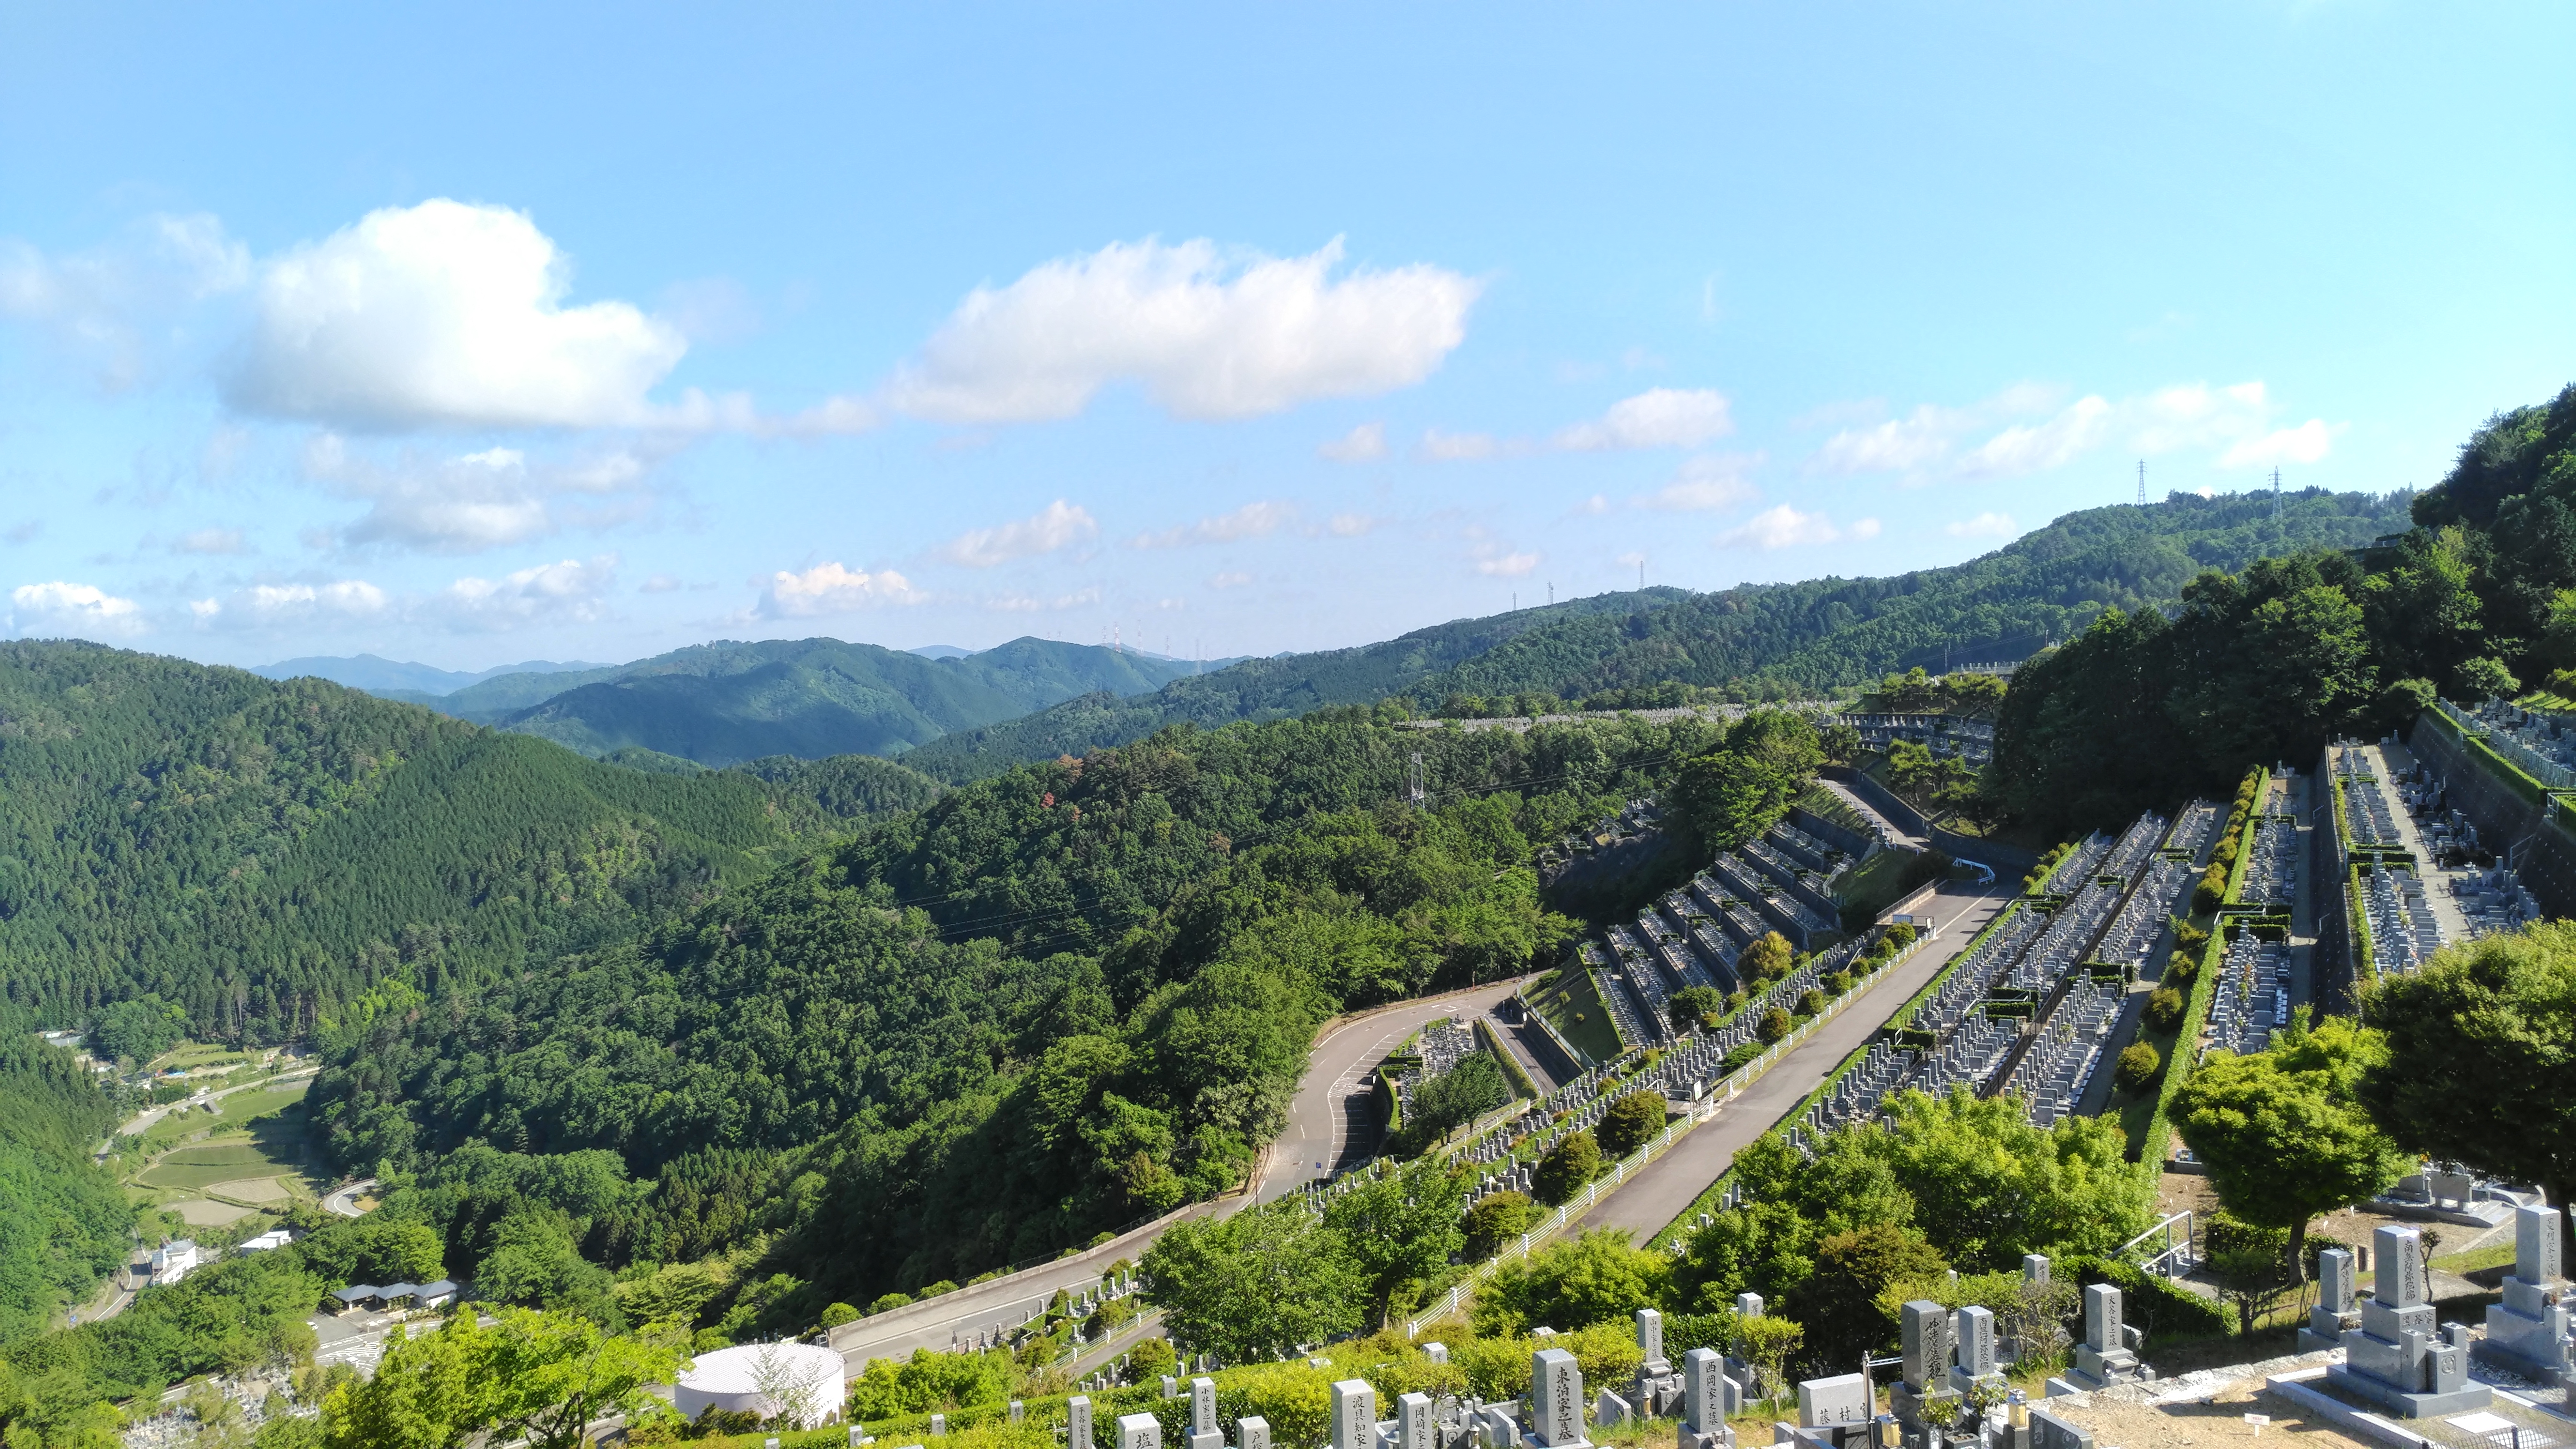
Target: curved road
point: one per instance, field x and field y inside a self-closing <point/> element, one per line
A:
<point x="1321" y="1123"/>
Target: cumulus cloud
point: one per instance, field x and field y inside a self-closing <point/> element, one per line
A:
<point x="1786" y="527"/>
<point x="1362" y="444"/>
<point x="833" y="589"/>
<point x="1058" y="525"/>
<point x="444" y="315"/>
<point x="1707" y="483"/>
<point x="1663" y="417"/>
<point x="1984" y="525"/>
<point x="116" y="308"/>
<point x="1442" y="447"/>
<point x="572" y="591"/>
<point x="2027" y="430"/>
<point x="263" y="606"/>
<point x="1207" y="333"/>
<point x="1252" y="520"/>
<point x="1351" y="525"/>
<point x="78" y="610"/>
<point x="2309" y="442"/>
<point x="211" y="541"/>
<point x="479" y="500"/>
<point x="1507" y="566"/>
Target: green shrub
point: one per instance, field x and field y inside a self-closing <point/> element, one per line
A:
<point x="1810" y="1001"/>
<point x="1495" y="1221"/>
<point x="1630" y="1122"/>
<point x="2138" y="1067"/>
<point x="2165" y="1007"/>
<point x="1775" y="1024"/>
<point x="1566" y="1168"/>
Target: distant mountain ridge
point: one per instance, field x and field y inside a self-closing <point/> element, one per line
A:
<point x="393" y="677"/>
<point x="1760" y="639"/>
<point x="727" y="702"/>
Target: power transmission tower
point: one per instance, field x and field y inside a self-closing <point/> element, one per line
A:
<point x="2276" y="495"/>
<point x="1415" y="784"/>
<point x="2142" y="482"/>
<point x="1641" y="575"/>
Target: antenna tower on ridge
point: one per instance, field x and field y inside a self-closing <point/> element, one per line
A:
<point x="2142" y="482"/>
<point x="2276" y="494"/>
<point x="1414" y="784"/>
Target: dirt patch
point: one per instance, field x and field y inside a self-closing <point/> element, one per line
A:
<point x="2178" y="1192"/>
<point x="253" y="1189"/>
<point x="2219" y="1421"/>
<point x="198" y="1213"/>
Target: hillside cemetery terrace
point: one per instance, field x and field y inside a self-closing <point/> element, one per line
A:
<point x="2414" y="880"/>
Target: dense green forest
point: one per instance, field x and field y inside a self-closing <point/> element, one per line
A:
<point x="258" y="851"/>
<point x="726" y="702"/>
<point x="1054" y="1002"/>
<point x="1757" y="641"/>
<point x="2473" y="601"/>
<point x="63" y="1221"/>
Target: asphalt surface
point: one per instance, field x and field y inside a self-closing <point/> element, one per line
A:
<point x="1323" y="1126"/>
<point x="1646" y="1203"/>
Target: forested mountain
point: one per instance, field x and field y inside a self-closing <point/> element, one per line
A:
<point x="726" y="702"/>
<point x="1053" y="1002"/>
<point x="261" y="850"/>
<point x="1757" y="640"/>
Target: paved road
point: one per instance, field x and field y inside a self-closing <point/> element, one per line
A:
<point x="344" y="1200"/>
<point x="1645" y="1203"/>
<point x="150" y="1115"/>
<point x="1320" y="1127"/>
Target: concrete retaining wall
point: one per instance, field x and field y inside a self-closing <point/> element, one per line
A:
<point x="2543" y="852"/>
<point x="2008" y="860"/>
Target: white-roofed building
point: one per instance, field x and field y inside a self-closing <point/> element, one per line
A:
<point x="803" y="1383"/>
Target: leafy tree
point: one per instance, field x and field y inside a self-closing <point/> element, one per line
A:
<point x="2282" y="1131"/>
<point x="1775" y="1024"/>
<point x="2487" y="678"/>
<point x="140" y="1029"/>
<point x="547" y="1377"/>
<point x="1766" y="1342"/>
<point x="427" y="1393"/>
<point x="1400" y="1227"/>
<point x="1694" y="1007"/>
<point x="1597" y="1277"/>
<point x="2479" y="1047"/>
<point x="1566" y="1168"/>
<point x="1253" y="1286"/>
<point x="1456" y="1097"/>
<point x="2252" y="1265"/>
<point x="1839" y="1302"/>
<point x="1630" y="1123"/>
<point x="1987" y="1186"/>
<point x="1495" y="1220"/>
<point x="1768" y="958"/>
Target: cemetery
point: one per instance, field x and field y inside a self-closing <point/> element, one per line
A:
<point x="2416" y="876"/>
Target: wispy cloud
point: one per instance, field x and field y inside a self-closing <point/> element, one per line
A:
<point x="1058" y="525"/>
<point x="1707" y="483"/>
<point x="1984" y="525"/>
<point x="1786" y="527"/>
<point x="1663" y="417"/>
<point x="2026" y="430"/>
<point x="1252" y="520"/>
<point x="1363" y="444"/>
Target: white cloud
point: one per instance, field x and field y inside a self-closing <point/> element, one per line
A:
<point x="572" y="591"/>
<point x="1351" y="525"/>
<point x="1786" y="527"/>
<point x="832" y="589"/>
<point x="1207" y="334"/>
<point x="1662" y="417"/>
<point x="1229" y="581"/>
<point x="2309" y="442"/>
<point x="1932" y="442"/>
<point x="1508" y="566"/>
<point x="1252" y="520"/>
<point x="114" y="308"/>
<point x="1442" y="447"/>
<point x="1027" y="604"/>
<point x="444" y="315"/>
<point x="264" y="606"/>
<point x="1360" y="445"/>
<point x="1058" y="525"/>
<point x="77" y="610"/>
<point x="1596" y="505"/>
<point x="211" y="541"/>
<point x="476" y="501"/>
<point x="662" y="584"/>
<point x="1707" y="482"/>
<point x="1984" y="525"/>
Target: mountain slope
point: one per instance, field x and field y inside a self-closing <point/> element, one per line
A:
<point x="388" y="678"/>
<point x="1757" y="640"/>
<point x="723" y="703"/>
<point x="260" y="851"/>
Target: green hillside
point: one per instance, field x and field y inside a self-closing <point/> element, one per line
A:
<point x="261" y="850"/>
<point x="1757" y="641"/>
<point x="722" y="703"/>
<point x="63" y="1221"/>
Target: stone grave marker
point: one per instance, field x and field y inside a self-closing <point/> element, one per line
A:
<point x="1077" y="1422"/>
<point x="1354" y="1415"/>
<point x="1139" y="1431"/>
<point x="1831" y="1402"/>
<point x="1556" y="1399"/>
<point x="1252" y="1433"/>
<point x="1415" y="1428"/>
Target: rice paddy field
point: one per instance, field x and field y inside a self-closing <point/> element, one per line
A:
<point x="215" y="1167"/>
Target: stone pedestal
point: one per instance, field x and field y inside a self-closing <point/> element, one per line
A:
<point x="2527" y="1332"/>
<point x="2103" y="1358"/>
<point x="2394" y="1359"/>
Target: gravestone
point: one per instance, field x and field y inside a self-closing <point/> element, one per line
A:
<point x="1657" y="1386"/>
<point x="2527" y="1332"/>
<point x="2334" y="1311"/>
<point x="1139" y="1431"/>
<point x="1204" y="1434"/>
<point x="1924" y="1398"/>
<point x="2047" y="1431"/>
<point x="1748" y="1383"/>
<point x="1252" y="1433"/>
<point x="1354" y="1415"/>
<point x="1415" y="1426"/>
<point x="2034" y="1267"/>
<point x="938" y="1425"/>
<point x="1556" y="1401"/>
<point x="2394" y="1358"/>
<point x="1077" y="1422"/>
<point x="1171" y="1387"/>
<point x="1019" y="1411"/>
<point x="1496" y="1428"/>
<point x="1974" y="1329"/>
<point x="1838" y="1406"/>
<point x="1708" y="1400"/>
<point x="1436" y="1352"/>
<point x="2103" y="1358"/>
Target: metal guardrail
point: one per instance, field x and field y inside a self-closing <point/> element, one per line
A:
<point x="2164" y="1250"/>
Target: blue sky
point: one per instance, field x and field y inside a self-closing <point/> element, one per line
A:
<point x="474" y="333"/>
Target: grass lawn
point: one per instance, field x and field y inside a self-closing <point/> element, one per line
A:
<point x="186" y="1177"/>
<point x="1571" y="1006"/>
<point x="233" y="1112"/>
